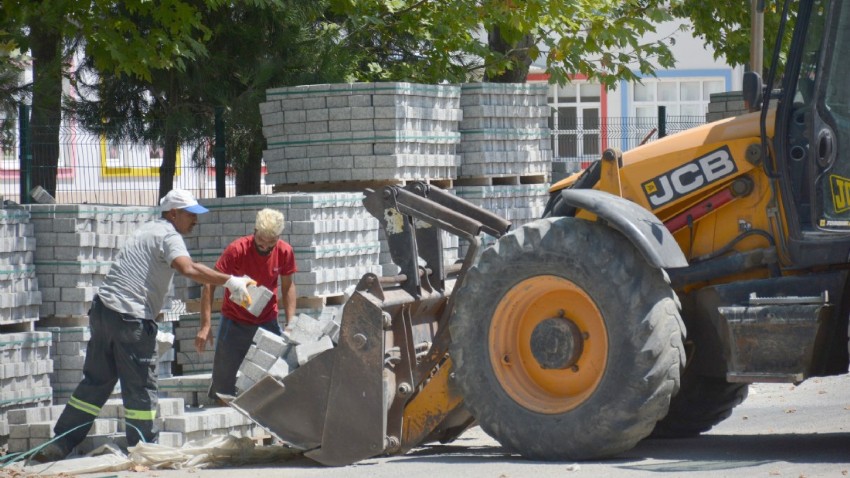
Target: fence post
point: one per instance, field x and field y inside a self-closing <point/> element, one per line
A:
<point x="25" y="154"/>
<point x="218" y="154"/>
<point x="662" y="121"/>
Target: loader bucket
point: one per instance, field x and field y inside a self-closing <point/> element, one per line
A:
<point x="334" y="405"/>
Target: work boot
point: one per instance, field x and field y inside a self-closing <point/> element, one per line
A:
<point x="53" y="451"/>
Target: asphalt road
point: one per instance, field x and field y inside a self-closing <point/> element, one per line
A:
<point x="779" y="431"/>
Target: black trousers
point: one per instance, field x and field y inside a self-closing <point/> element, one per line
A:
<point x="234" y="340"/>
<point x="121" y="348"/>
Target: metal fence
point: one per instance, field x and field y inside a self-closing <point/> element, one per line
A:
<point x="93" y="169"/>
<point x="579" y="142"/>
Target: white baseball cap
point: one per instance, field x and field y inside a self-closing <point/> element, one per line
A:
<point x="181" y="199"/>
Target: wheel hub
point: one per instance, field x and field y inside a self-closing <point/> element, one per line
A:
<point x="556" y="343"/>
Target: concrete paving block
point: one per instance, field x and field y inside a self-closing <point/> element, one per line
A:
<point x="19" y="431"/>
<point x="279" y="369"/>
<point x="18" y="445"/>
<point x="260" y="358"/>
<point x="269" y="342"/>
<point x="252" y="370"/>
<point x="171" y="439"/>
<point x="305" y="329"/>
<point x="305" y="352"/>
<point x="243" y="383"/>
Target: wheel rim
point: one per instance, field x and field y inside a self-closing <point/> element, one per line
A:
<point x="520" y="312"/>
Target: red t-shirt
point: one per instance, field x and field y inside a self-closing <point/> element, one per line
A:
<point x="241" y="258"/>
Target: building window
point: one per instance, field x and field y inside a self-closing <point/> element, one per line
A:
<point x="575" y="121"/>
<point x="681" y="97"/>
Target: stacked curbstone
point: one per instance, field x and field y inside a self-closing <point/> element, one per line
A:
<point x="77" y="244"/>
<point x="25" y="367"/>
<point x="504" y="131"/>
<point x="19" y="293"/>
<point x="69" y="354"/>
<point x="361" y="132"/>
<point x="188" y="361"/>
<point x="33" y="427"/>
<point x="335" y="240"/>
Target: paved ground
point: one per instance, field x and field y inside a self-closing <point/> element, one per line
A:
<point x="780" y="431"/>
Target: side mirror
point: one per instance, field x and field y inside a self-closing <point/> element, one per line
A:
<point x="753" y="90"/>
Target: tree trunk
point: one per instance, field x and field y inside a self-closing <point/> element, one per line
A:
<point x="46" y="104"/>
<point x="169" y="164"/>
<point x="248" y="177"/>
<point x="518" y="54"/>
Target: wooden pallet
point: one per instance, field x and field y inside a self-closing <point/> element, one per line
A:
<point x="17" y="326"/>
<point x="193" y="306"/>
<point x="74" y="321"/>
<point x="319" y="302"/>
<point x="354" y="186"/>
<point x="501" y="180"/>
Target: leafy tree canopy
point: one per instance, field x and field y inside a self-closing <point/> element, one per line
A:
<point x="435" y="40"/>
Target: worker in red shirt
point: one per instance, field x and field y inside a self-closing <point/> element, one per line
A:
<point x="267" y="259"/>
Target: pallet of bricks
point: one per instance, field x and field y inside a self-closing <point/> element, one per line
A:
<point x="348" y="137"/>
<point x="335" y="242"/>
<point x="76" y="245"/>
<point x="25" y="361"/>
<point x="505" y="150"/>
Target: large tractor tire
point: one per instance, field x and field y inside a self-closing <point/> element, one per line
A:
<point x="567" y="343"/>
<point x="701" y="403"/>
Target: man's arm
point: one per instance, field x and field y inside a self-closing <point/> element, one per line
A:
<point x="198" y="272"/>
<point x="238" y="286"/>
<point x="205" y="335"/>
<point x="287" y="295"/>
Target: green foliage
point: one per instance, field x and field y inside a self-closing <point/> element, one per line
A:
<point x="725" y="26"/>
<point x="433" y="41"/>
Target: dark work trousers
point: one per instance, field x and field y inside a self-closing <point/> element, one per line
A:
<point x="234" y="340"/>
<point x="121" y="348"/>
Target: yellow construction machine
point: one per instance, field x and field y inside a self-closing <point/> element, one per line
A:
<point x="660" y="283"/>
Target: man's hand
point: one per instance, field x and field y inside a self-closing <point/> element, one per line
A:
<point x="203" y="338"/>
<point x="238" y="287"/>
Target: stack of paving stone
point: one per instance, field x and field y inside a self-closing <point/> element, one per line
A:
<point x="504" y="132"/>
<point x="32" y="427"/>
<point x="519" y="204"/>
<point x="334" y="238"/>
<point x="332" y="133"/>
<point x="77" y="244"/>
<point x="451" y="253"/>
<point x="19" y="293"/>
<point x="165" y="352"/>
<point x="188" y="361"/>
<point x="279" y="355"/>
<point x="191" y="388"/>
<point x="69" y="354"/>
<point x="25" y="367"/>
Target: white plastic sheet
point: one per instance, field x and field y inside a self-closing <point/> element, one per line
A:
<point x="219" y="450"/>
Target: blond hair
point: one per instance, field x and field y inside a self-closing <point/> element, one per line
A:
<point x="269" y="223"/>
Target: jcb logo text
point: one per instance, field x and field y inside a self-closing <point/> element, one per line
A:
<point x="689" y="177"/>
<point x="840" y="193"/>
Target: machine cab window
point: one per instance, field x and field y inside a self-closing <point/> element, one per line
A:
<point x="818" y="126"/>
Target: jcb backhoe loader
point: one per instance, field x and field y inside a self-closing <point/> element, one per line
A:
<point x="566" y="339"/>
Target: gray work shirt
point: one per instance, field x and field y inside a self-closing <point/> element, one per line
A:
<point x="138" y="281"/>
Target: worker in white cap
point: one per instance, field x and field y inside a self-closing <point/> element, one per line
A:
<point x="123" y="330"/>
